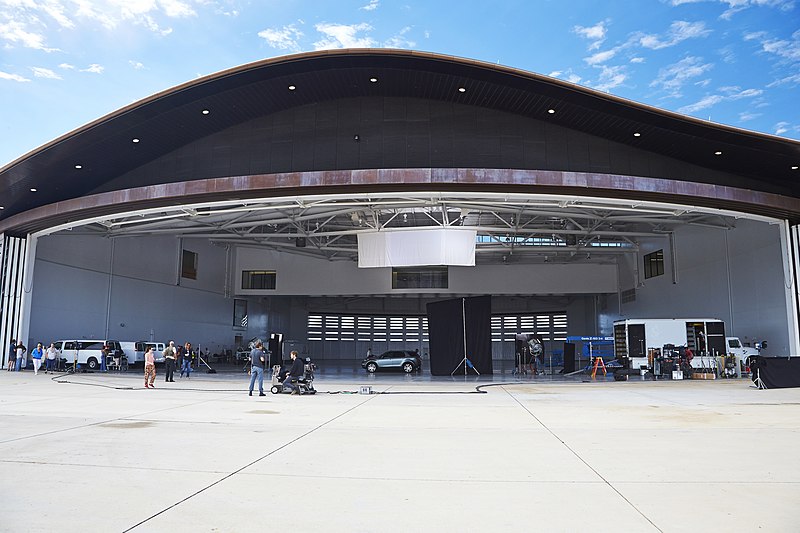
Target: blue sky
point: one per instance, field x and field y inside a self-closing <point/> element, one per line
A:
<point x="64" y="63"/>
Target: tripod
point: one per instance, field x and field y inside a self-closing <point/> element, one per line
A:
<point x="465" y="361"/>
<point x="758" y="382"/>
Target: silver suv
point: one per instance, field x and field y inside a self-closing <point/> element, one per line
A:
<point x="405" y="360"/>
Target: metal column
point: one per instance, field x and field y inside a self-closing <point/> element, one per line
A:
<point x="12" y="269"/>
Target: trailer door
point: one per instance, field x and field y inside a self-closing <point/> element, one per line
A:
<point x="715" y="333"/>
<point x="636" y="340"/>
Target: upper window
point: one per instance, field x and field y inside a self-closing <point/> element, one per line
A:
<point x="189" y="265"/>
<point x="258" y="279"/>
<point x="420" y="278"/>
<point x="654" y="264"/>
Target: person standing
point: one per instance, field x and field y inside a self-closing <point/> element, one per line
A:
<point x="257" y="368"/>
<point x="188" y="354"/>
<point x="12" y="355"/>
<point x="169" y="362"/>
<point x="149" y="369"/>
<point x="21" y="349"/>
<point x="37" y="354"/>
<point x="51" y="355"/>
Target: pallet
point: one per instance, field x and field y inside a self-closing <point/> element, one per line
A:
<point x="701" y="375"/>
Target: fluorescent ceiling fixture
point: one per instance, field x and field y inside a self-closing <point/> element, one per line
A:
<point x="78" y="167"/>
<point x="637" y="134"/>
<point x="33" y="190"/>
<point x="206" y="111"/>
<point x="462" y="90"/>
<point x="718" y="153"/>
<point x="551" y="111"/>
<point x="292" y="87"/>
<point x="794" y="167"/>
<point x="373" y="80"/>
<point x="134" y="140"/>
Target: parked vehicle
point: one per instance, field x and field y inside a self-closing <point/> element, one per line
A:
<point x="742" y="352"/>
<point x="405" y="360"/>
<point x="87" y="352"/>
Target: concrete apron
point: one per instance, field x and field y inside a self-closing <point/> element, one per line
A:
<point x="104" y="454"/>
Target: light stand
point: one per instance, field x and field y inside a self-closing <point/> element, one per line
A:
<point x="466" y="362"/>
<point x="758" y="382"/>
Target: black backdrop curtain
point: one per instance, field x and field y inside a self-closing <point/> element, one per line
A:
<point x="776" y="372"/>
<point x="446" y="322"/>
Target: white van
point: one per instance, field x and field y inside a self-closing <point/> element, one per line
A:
<point x="87" y="352"/>
<point x="158" y="349"/>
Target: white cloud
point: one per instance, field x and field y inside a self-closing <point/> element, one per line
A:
<point x="601" y="57"/>
<point x="15" y="32"/>
<point x="372" y="6"/>
<point x="731" y="93"/>
<point x="46" y="73"/>
<point x="747" y="115"/>
<point x="610" y="77"/>
<point x="286" y="38"/>
<point x="704" y="103"/>
<point x="137" y="65"/>
<point x="679" y="31"/>
<point x="793" y="79"/>
<point x="637" y="60"/>
<point x="673" y="77"/>
<point x="400" y="40"/>
<point x="568" y="75"/>
<point x="703" y="83"/>
<point x="94" y="68"/>
<point x="747" y="93"/>
<point x="12" y="77"/>
<point x="344" y="36"/>
<point x="781" y="128"/>
<point x="740" y="5"/>
<point x="596" y="33"/>
<point x="66" y="66"/>
<point x="26" y="22"/>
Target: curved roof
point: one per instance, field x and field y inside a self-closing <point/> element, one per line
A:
<point x="164" y="122"/>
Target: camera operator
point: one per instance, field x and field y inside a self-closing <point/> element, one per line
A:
<point x="294" y="373"/>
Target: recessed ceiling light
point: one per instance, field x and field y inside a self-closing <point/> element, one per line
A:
<point x="135" y="140"/>
<point x="292" y="87"/>
<point x="462" y="90"/>
<point x="795" y="167"/>
<point x="373" y="80"/>
<point x="33" y="190"/>
<point x="205" y="111"/>
<point x="637" y="134"/>
<point x="1" y="207"/>
<point x="718" y="152"/>
<point x="551" y="111"/>
<point x="78" y="167"/>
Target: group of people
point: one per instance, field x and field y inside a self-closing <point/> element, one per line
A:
<point x="17" y="359"/>
<point x="183" y="356"/>
<point x="258" y="360"/>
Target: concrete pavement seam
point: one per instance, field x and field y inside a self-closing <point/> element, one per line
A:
<point x="279" y="448"/>
<point x="581" y="459"/>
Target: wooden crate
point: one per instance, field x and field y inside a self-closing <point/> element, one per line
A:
<point x="700" y="375"/>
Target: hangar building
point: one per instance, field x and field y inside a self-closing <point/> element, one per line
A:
<point x="235" y="205"/>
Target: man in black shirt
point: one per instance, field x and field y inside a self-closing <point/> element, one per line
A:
<point x="294" y="373"/>
<point x="257" y="368"/>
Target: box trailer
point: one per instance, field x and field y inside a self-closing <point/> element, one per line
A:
<point x="637" y="340"/>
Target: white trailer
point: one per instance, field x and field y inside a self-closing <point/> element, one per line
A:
<point x="634" y="338"/>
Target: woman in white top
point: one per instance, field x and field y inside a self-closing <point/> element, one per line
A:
<point x="149" y="369"/>
<point x="51" y="355"/>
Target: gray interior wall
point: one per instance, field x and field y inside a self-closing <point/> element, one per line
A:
<point x="73" y="275"/>
<point x="300" y="275"/>
<point x="736" y="275"/>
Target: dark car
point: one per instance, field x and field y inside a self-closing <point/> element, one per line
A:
<point x="405" y="360"/>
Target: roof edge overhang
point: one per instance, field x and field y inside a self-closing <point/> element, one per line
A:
<point x="631" y="188"/>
